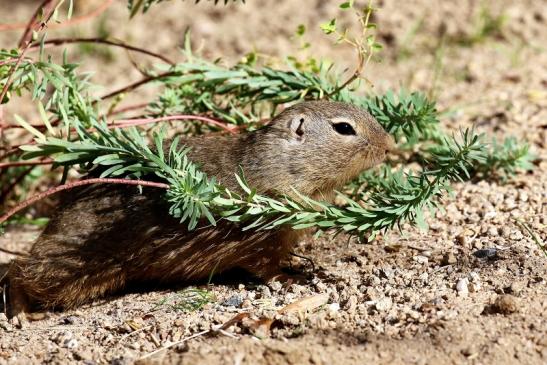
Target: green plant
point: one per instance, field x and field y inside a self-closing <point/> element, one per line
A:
<point x="74" y="133"/>
<point x="187" y="300"/>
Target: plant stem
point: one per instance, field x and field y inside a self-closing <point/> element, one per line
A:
<point x="72" y="185"/>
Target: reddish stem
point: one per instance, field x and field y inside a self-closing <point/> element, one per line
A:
<point x="61" y="41"/>
<point x="72" y="185"/>
<point x="13" y="60"/>
<point x="135" y="85"/>
<point x="27" y="34"/>
<point x="123" y="123"/>
<point x="5" y="192"/>
<point x="14" y="150"/>
<point x="25" y="49"/>
<point x="24" y="163"/>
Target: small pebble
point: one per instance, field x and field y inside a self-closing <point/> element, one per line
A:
<point x="449" y="259"/>
<point x="233" y="301"/>
<point x="384" y="304"/>
<point x="486" y="253"/>
<point x="334" y="307"/>
<point x="421" y="259"/>
<point x="462" y="287"/>
<point x="505" y="304"/>
<point x="474" y="287"/>
<point x="246" y="304"/>
<point x="69" y="320"/>
<point x="70" y="343"/>
<point x="516" y="287"/>
<point x="474" y="276"/>
<point x="276" y="286"/>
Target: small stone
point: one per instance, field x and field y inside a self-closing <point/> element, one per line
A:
<point x="266" y="293"/>
<point x="462" y="240"/>
<point x="62" y="338"/>
<point x="374" y="281"/>
<point x="70" y="343"/>
<point x="421" y="259"/>
<point x="493" y="231"/>
<point x="387" y="273"/>
<point x="246" y="304"/>
<point x="474" y="276"/>
<point x="384" y="304"/>
<point x="276" y="286"/>
<point x="462" y="287"/>
<point x="516" y="287"/>
<point x="474" y="287"/>
<point x="478" y="245"/>
<point x="69" y="320"/>
<point x="3" y="317"/>
<point x="334" y="307"/>
<point x="469" y="351"/>
<point x="505" y="304"/>
<point x="449" y="259"/>
<point x="233" y="301"/>
<point x="486" y="253"/>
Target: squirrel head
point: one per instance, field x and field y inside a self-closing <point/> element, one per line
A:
<point x="315" y="147"/>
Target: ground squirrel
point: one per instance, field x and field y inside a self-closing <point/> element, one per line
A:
<point x="104" y="238"/>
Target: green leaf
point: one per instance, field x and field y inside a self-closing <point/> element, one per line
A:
<point x="29" y="128"/>
<point x="330" y="27"/>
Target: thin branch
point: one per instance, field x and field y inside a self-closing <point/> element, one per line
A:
<point x="123" y="123"/>
<point x="135" y="85"/>
<point x="16" y="253"/>
<point x="13" y="60"/>
<point x="8" y="189"/>
<point x="14" y="150"/>
<point x="61" y="41"/>
<point x="6" y="165"/>
<point x="45" y="7"/>
<point x="22" y="55"/>
<point x="72" y="185"/>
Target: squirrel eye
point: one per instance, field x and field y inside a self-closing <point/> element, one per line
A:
<point x="344" y="128"/>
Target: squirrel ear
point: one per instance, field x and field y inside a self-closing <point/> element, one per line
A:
<point x="296" y="125"/>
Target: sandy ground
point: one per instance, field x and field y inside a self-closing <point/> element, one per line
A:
<point x="409" y="298"/>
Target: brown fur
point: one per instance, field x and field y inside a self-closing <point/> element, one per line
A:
<point x="104" y="238"/>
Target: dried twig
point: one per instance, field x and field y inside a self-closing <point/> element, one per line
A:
<point x="135" y="85"/>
